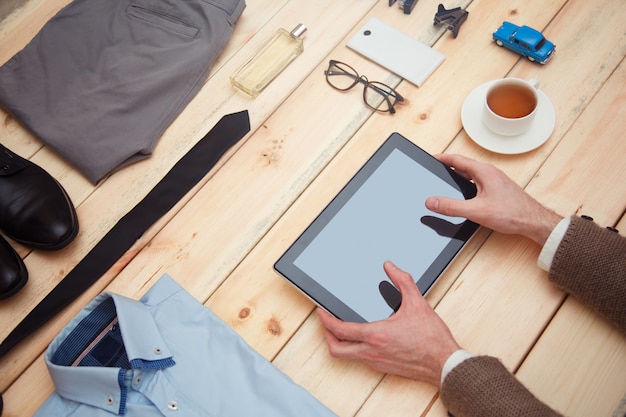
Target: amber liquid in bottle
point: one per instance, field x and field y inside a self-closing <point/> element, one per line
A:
<point x="273" y="57"/>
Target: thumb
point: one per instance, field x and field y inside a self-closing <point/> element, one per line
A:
<point x="401" y="279"/>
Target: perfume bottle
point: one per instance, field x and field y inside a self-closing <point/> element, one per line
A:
<point x="273" y="57"/>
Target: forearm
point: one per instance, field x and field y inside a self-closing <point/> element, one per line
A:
<point x="482" y="386"/>
<point x="590" y="264"/>
<point x="539" y="224"/>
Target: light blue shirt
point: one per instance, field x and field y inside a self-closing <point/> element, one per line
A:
<point x="165" y="355"/>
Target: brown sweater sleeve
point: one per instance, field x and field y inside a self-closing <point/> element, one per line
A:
<point x="590" y="264"/>
<point x="482" y="387"/>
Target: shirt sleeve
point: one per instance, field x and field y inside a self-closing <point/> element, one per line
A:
<point x="482" y="386"/>
<point x="554" y="240"/>
<point x="590" y="264"/>
<point x="452" y="361"/>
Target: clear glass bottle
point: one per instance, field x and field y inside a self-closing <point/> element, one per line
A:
<point x="273" y="57"/>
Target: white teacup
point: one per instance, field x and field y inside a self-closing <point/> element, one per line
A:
<point x="510" y="106"/>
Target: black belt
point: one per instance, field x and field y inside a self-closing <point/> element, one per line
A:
<point x="190" y="169"/>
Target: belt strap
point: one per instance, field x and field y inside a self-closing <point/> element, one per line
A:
<point x="190" y="169"/>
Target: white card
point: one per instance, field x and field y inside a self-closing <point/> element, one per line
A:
<point x="396" y="51"/>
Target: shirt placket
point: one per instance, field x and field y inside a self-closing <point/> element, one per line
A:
<point x="170" y="401"/>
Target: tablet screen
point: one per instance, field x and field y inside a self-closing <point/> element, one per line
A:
<point x="380" y="215"/>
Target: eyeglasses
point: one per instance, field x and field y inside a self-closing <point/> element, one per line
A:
<point x="377" y="96"/>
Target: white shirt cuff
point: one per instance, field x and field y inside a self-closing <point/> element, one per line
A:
<point x="453" y="360"/>
<point x="552" y="244"/>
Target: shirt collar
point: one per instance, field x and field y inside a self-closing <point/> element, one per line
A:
<point x="104" y="387"/>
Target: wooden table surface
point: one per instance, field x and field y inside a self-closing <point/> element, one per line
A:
<point x="307" y="140"/>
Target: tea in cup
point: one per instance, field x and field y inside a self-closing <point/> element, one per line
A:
<point x="510" y="106"/>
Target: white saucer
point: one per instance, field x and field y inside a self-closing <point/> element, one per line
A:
<point x="537" y="135"/>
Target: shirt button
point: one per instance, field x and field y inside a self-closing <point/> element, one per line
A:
<point x="110" y="400"/>
<point x="172" y="406"/>
<point x="158" y="350"/>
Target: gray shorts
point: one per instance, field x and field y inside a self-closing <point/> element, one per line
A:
<point x="103" y="79"/>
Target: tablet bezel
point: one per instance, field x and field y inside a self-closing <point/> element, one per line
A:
<point x="317" y="293"/>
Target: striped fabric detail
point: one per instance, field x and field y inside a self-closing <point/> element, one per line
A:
<point x="99" y="327"/>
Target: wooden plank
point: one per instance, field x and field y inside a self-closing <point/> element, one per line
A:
<point x="578" y="364"/>
<point x="21" y="21"/>
<point x="26" y="395"/>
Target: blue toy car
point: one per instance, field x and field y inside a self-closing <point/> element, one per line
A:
<point x="524" y="40"/>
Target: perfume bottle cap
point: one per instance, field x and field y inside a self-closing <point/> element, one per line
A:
<point x="298" y="31"/>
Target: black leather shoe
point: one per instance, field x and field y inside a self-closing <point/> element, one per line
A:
<point x="35" y="210"/>
<point x="13" y="273"/>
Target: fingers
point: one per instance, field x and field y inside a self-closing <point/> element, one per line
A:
<point x="472" y="170"/>
<point x="343" y="338"/>
<point x="459" y="162"/>
<point x="346" y="339"/>
<point x="352" y="340"/>
<point x="342" y="330"/>
<point x="447" y="206"/>
<point x="462" y="165"/>
<point x="412" y="298"/>
<point x="401" y="279"/>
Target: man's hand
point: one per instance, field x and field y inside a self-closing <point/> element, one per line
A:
<point x="414" y="342"/>
<point x="500" y="203"/>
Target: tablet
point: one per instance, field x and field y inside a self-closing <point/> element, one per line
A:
<point x="379" y="215"/>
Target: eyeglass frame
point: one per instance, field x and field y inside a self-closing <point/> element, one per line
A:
<point x="366" y="83"/>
